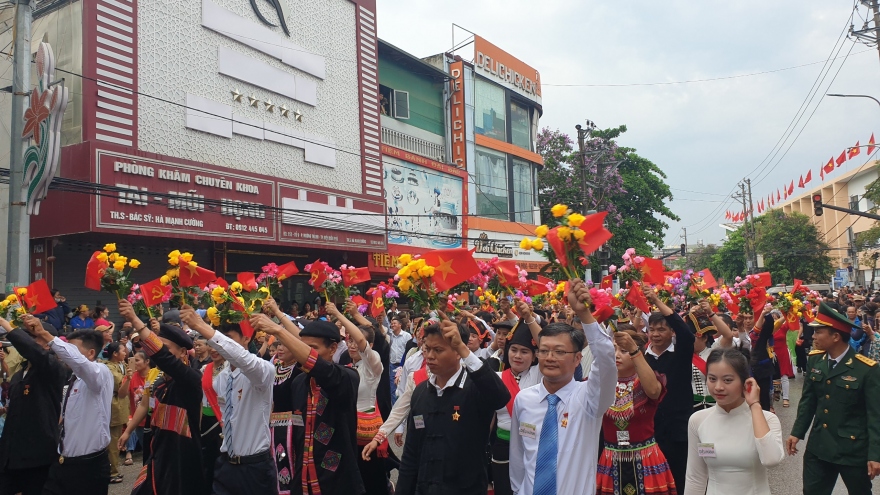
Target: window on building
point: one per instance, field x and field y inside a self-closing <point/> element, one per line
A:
<point x="490" y="110"/>
<point x="492" y="184"/>
<point x="869" y="205"/>
<point x="393" y="103"/>
<point x="520" y="126"/>
<point x="854" y="203"/>
<point x="523" y="192"/>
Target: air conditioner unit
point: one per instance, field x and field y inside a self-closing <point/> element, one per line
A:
<point x="847" y="260"/>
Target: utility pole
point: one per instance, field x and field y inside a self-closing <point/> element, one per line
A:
<point x="18" y="240"/>
<point x="750" y="223"/>
<point x="583" y="133"/>
<point x="869" y="36"/>
<point x="742" y="196"/>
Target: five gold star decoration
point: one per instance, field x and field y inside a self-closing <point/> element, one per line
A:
<point x="236" y="95"/>
<point x="253" y="101"/>
<point x="270" y="107"/>
<point x="285" y="112"/>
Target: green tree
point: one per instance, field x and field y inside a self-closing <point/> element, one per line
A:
<point x="792" y="247"/>
<point x="869" y="249"/>
<point x="704" y="257"/>
<point x="730" y="259"/>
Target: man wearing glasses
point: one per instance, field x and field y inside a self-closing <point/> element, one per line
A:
<point x="561" y="415"/>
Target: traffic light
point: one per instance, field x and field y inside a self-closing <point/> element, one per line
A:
<point x="683" y="249"/>
<point x="817" y="204"/>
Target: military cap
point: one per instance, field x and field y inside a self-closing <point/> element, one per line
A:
<point x="827" y="317"/>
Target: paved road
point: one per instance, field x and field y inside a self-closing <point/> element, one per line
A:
<point x="784" y="479"/>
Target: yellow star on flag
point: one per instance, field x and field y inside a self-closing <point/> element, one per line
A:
<point x="445" y="267"/>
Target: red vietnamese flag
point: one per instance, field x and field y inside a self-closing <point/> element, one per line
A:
<point x="536" y="288"/>
<point x="352" y="276"/>
<point x="247" y="281"/>
<point x="194" y="275"/>
<point x="636" y="297"/>
<point x="652" y="271"/>
<point x="246" y="329"/>
<point x="359" y="300"/>
<point x="673" y="274"/>
<point x="38" y="298"/>
<point x="94" y="271"/>
<point x="841" y="158"/>
<point x="829" y="167"/>
<point x="808" y="177"/>
<point x="557" y="245"/>
<point x="784" y="192"/>
<point x="727" y="215"/>
<point x="544" y="280"/>
<point x="319" y="274"/>
<point x="763" y="280"/>
<point x="709" y="281"/>
<point x="801" y="182"/>
<point x="791" y="188"/>
<point x="607" y="282"/>
<point x="871" y="145"/>
<point x="778" y="196"/>
<point x="451" y="266"/>
<point x="154" y="292"/>
<point x="287" y="270"/>
<point x="507" y="272"/>
<point x="854" y="151"/>
<point x="596" y="233"/>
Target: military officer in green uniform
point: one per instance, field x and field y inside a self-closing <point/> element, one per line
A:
<point x="841" y="398"/>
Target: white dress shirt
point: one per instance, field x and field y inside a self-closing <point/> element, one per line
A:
<point x="584" y="403"/>
<point x="400" y="410"/>
<point x="410" y="366"/>
<point x="87" y="412"/>
<point x="527" y="378"/>
<point x="739" y="461"/>
<point x="251" y="398"/>
<point x="369" y="370"/>
<point x="398" y="345"/>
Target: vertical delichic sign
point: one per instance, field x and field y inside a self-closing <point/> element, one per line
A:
<point x="456" y="111"/>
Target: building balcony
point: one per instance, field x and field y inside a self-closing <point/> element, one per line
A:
<point x="418" y="146"/>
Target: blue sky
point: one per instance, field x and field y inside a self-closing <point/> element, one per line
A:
<point x="705" y="135"/>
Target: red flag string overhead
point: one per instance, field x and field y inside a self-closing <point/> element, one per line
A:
<point x="801" y="182"/>
<point x="808" y="177"/>
<point x="871" y="145"/>
<point x="854" y="151"/>
<point x="841" y="158"/>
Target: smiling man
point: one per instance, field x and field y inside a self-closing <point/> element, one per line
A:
<point x="555" y="424"/>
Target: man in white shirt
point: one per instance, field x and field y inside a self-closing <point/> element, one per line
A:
<point x="83" y="460"/>
<point x="555" y="424"/>
<point x="398" y="339"/>
<point x="245" y="465"/>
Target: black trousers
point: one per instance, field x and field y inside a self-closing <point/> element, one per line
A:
<point x="85" y="476"/>
<point x="258" y="478"/>
<point x="25" y="481"/>
<point x="676" y="452"/>
<point x="211" y="442"/>
<point x="821" y="476"/>
<point x="373" y="475"/>
<point x="501" y="467"/>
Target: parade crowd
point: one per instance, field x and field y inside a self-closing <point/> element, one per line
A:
<point x="510" y="394"/>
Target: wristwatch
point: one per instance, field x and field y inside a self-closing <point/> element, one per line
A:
<point x="633" y="353"/>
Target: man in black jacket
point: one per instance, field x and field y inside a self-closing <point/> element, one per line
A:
<point x="448" y="424"/>
<point x="674" y="361"/>
<point x="30" y="438"/>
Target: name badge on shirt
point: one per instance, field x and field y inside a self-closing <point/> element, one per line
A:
<point x="297" y="420"/>
<point x="527" y="430"/>
<point x="419" y="421"/>
<point x="706" y="449"/>
<point x="623" y="437"/>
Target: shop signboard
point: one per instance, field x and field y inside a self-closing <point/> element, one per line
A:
<point x="499" y="66"/>
<point x="487" y="244"/>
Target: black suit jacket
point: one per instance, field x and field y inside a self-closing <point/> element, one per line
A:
<point x="30" y="436"/>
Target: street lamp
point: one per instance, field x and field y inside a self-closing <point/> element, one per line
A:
<point x="855" y="96"/>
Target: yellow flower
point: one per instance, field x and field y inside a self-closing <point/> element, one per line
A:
<point x="213" y="316"/>
<point x="164" y="280"/>
<point x="537" y="244"/>
<point x="426" y="271"/>
<point x="564" y="233"/>
<point x="122" y="259"/>
<point x="554" y="301"/>
<point x="576" y="219"/>
<point x="541" y="231"/>
<point x="102" y="257"/>
<point x="173" y="272"/>
<point x="579" y="234"/>
<point x="174" y="254"/>
<point x="218" y="291"/>
<point x="186" y="257"/>
<point x="22" y="291"/>
<point x="418" y="264"/>
<point x="264" y="290"/>
<point x="113" y="257"/>
<point x="193" y="263"/>
<point x="134" y="263"/>
<point x="404" y="259"/>
<point x="404" y="284"/>
<point x="20" y="310"/>
<point x="11" y="298"/>
<point x="240" y="300"/>
<point x="404" y="273"/>
<point x="4" y="304"/>
<point x="482" y="298"/>
<point x="119" y="266"/>
<point x="109" y="248"/>
<point x="235" y="287"/>
<point x="525" y="244"/>
<point x="558" y="210"/>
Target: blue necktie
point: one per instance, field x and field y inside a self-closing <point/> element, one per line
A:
<point x="227" y="414"/>
<point x="545" y="467"/>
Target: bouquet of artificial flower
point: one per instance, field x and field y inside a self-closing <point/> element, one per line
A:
<point x="273" y="275"/>
<point x="114" y="277"/>
<point x="415" y="280"/>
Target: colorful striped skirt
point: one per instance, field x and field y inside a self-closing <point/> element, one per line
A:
<point x="637" y="469"/>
